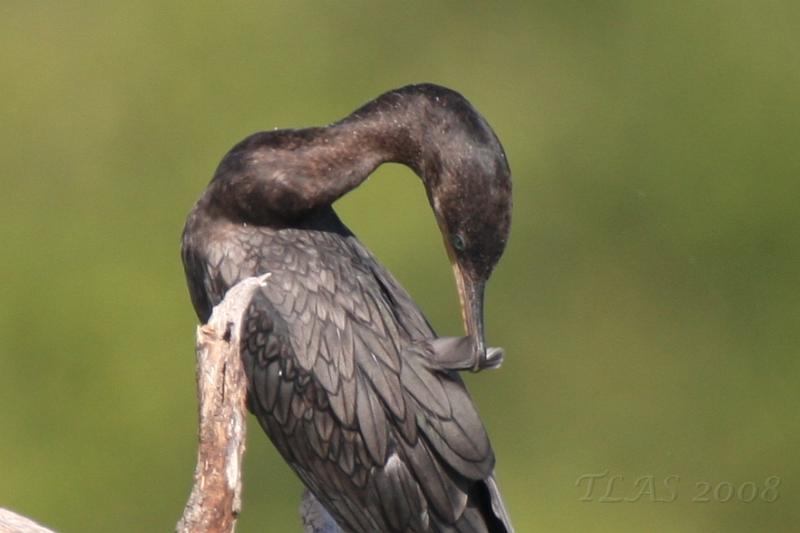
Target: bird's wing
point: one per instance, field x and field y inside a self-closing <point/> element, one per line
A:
<point x="350" y="402"/>
<point x="407" y="314"/>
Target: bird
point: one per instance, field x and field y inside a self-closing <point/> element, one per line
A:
<point x="344" y="372"/>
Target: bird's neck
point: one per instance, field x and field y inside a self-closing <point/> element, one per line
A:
<point x="287" y="174"/>
<point x="344" y="154"/>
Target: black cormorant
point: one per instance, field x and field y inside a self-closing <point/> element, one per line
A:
<point x="345" y="374"/>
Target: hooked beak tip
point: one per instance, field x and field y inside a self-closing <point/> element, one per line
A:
<point x="472" y="307"/>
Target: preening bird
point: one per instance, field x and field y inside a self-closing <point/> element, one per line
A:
<point x="345" y="374"/>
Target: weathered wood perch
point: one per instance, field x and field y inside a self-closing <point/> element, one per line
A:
<point x="215" y="500"/>
<point x="216" y="497"/>
<point x="11" y="522"/>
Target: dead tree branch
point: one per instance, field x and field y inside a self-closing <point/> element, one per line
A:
<point x="11" y="522"/>
<point x="215" y="500"/>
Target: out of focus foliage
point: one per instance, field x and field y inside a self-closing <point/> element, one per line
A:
<point x="649" y="299"/>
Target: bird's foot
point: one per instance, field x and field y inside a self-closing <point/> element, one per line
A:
<point x="458" y="353"/>
<point x="492" y="359"/>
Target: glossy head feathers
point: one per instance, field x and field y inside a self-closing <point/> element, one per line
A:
<point x="468" y="181"/>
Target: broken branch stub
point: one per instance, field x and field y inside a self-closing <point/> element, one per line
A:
<point x="216" y="497"/>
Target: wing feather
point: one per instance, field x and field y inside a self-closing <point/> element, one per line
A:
<point x="356" y="399"/>
<point x="371" y="422"/>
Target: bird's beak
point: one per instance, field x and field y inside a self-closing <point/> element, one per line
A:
<point x="470" y="294"/>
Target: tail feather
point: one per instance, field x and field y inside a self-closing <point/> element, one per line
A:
<point x="498" y="507"/>
<point x="485" y="511"/>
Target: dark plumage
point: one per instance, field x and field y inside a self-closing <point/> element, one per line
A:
<point x="345" y="374"/>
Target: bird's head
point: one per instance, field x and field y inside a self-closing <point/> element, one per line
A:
<point x="470" y="193"/>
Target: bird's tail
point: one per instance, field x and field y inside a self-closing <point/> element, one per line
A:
<point x="485" y="511"/>
<point x="498" y="508"/>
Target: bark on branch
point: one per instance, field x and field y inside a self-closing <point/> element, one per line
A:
<point x="216" y="497"/>
<point x="11" y="522"/>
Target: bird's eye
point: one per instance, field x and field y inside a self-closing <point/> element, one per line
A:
<point x="458" y="242"/>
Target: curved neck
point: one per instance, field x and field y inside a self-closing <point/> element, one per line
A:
<point x="285" y="174"/>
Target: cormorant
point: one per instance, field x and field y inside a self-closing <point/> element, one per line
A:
<point x="345" y="374"/>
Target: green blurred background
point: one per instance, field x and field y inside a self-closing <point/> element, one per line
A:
<point x="649" y="300"/>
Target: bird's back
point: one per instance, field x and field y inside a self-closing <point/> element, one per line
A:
<point x="343" y="379"/>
